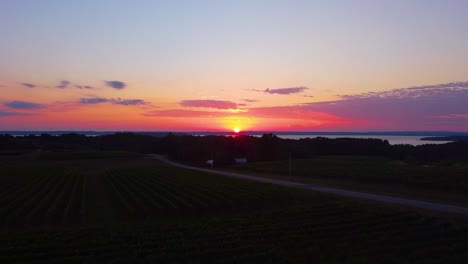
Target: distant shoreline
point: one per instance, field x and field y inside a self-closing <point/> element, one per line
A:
<point x="427" y="135"/>
<point x="448" y="138"/>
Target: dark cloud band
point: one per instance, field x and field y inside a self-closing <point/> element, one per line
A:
<point x="118" y="85"/>
<point x="286" y="91"/>
<point x="118" y="101"/>
<point x="29" y="85"/>
<point x="24" y="105"/>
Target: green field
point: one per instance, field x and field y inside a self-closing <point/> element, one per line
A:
<point x="375" y="174"/>
<point x="90" y="154"/>
<point x="141" y="211"/>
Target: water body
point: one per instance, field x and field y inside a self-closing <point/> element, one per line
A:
<point x="411" y="138"/>
<point x="393" y="140"/>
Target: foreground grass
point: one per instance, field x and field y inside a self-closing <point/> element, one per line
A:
<point x="141" y="211"/>
<point x="297" y="234"/>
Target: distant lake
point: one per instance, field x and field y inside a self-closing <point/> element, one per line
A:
<point x="393" y="140"/>
<point x="412" y="139"/>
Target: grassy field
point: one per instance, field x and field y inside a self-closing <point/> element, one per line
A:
<point x="90" y="154"/>
<point x="375" y="174"/>
<point x="141" y="211"/>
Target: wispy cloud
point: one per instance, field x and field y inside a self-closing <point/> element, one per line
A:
<point x="128" y="102"/>
<point x="309" y="96"/>
<point x="95" y="100"/>
<point x="414" y="108"/>
<point x="405" y="108"/>
<point x="63" y="106"/>
<point x="63" y="84"/>
<point x="83" y="86"/>
<point x="29" y="85"/>
<point x="414" y="92"/>
<point x="452" y="119"/>
<point x="117" y="101"/>
<point x="253" y="90"/>
<point x="183" y="113"/>
<point x="454" y="116"/>
<point x="118" y="85"/>
<point x="7" y="113"/>
<point x="217" y="104"/>
<point x="249" y="100"/>
<point x="298" y="116"/>
<point x="66" y="84"/>
<point x="289" y="112"/>
<point x="24" y="105"/>
<point x="286" y="91"/>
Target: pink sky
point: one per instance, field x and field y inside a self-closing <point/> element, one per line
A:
<point x="431" y="107"/>
<point x="216" y="65"/>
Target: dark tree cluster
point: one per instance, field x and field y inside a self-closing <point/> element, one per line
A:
<point x="73" y="141"/>
<point x="224" y="149"/>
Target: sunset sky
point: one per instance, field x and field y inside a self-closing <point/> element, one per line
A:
<point x="217" y="65"/>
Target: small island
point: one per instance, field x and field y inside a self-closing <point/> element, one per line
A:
<point x="446" y="138"/>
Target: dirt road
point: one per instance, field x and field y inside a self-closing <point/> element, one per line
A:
<point x="437" y="207"/>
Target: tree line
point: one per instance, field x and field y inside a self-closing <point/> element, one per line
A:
<point x="224" y="149"/>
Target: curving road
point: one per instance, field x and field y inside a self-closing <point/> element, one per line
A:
<point x="438" y="207"/>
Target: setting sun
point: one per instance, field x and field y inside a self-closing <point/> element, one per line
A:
<point x="236" y="129"/>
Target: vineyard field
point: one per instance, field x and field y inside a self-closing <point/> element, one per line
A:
<point x="137" y="210"/>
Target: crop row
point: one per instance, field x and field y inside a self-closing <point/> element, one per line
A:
<point x="156" y="192"/>
<point x="223" y="220"/>
<point x="40" y="199"/>
<point x="284" y="234"/>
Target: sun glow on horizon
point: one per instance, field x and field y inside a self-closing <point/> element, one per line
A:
<point x="236" y="129"/>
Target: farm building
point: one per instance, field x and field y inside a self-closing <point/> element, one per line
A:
<point x="210" y="162"/>
<point x="240" y="160"/>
